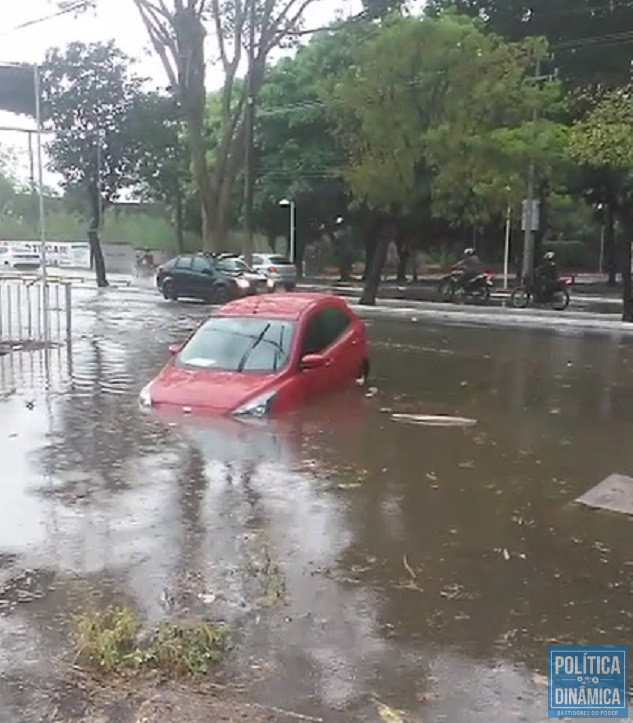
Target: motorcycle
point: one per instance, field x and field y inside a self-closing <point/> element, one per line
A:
<point x="479" y="287"/>
<point x="557" y="296"/>
<point x="144" y="267"/>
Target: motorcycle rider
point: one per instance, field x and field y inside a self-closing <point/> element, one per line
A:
<point x="470" y="266"/>
<point x="546" y="275"/>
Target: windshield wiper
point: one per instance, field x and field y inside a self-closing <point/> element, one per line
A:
<point x="279" y="347"/>
<point x="249" y="351"/>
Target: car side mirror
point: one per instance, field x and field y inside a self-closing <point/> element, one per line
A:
<point x="174" y="349"/>
<point x="312" y="361"/>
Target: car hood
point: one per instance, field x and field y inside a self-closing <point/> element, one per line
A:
<point x="209" y="389"/>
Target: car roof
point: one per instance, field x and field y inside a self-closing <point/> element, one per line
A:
<point x="291" y="306"/>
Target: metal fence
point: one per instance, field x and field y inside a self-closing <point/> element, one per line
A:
<point x="33" y="311"/>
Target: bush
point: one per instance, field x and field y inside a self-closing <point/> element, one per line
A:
<point x="108" y="642"/>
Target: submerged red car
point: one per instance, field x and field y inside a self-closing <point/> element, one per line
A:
<point x="263" y="355"/>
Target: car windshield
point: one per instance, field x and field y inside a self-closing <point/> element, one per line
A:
<point x="278" y="260"/>
<point x="232" y="265"/>
<point x="239" y="344"/>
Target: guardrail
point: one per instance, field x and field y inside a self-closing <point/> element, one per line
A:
<point x="31" y="310"/>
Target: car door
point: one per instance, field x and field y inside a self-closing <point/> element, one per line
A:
<point x="181" y="275"/>
<point x="329" y="331"/>
<point x="202" y="278"/>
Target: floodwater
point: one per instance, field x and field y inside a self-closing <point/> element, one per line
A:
<point x="359" y="560"/>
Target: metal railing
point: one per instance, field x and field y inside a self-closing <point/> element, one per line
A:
<point x="31" y="310"/>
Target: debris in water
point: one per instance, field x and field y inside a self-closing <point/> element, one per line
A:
<point x="434" y="420"/>
<point x="615" y="494"/>
<point x="349" y="485"/>
<point x="371" y="392"/>
<point x="388" y="714"/>
<point x="506" y="554"/>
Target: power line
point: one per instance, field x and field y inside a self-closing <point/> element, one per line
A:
<point x="609" y="39"/>
<point x="74" y="7"/>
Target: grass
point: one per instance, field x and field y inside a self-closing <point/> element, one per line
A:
<point x="110" y="641"/>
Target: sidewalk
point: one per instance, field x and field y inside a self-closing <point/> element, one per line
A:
<point x="565" y="321"/>
<point x="390" y="292"/>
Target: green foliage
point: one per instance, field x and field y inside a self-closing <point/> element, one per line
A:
<point x="574" y="28"/>
<point x="89" y="100"/>
<point x="161" y="148"/>
<point x="297" y="156"/>
<point x="601" y="142"/>
<point x="187" y="649"/>
<point x="604" y="137"/>
<point x="440" y="103"/>
<point x="108" y="642"/>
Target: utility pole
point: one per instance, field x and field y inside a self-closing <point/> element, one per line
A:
<point x="528" y="215"/>
<point x="249" y="125"/>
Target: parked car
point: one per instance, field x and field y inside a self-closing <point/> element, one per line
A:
<point x="233" y="265"/>
<point x="196" y="276"/>
<point x="278" y="269"/>
<point x="261" y="356"/>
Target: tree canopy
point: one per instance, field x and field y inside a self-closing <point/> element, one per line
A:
<point x="90" y="100"/>
<point x="602" y="140"/>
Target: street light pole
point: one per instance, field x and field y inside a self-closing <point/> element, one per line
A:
<point x="506" y="250"/>
<point x="290" y="204"/>
<point x="293" y="233"/>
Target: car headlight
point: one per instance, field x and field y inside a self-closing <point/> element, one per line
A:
<point x="258" y="407"/>
<point x="145" y="397"/>
<point x="243" y="284"/>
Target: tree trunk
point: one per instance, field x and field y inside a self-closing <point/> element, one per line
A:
<point x="370" y="252"/>
<point x="178" y="221"/>
<point x="372" y="282"/>
<point x="610" y="256"/>
<point x="403" y="256"/>
<point x="340" y="246"/>
<point x="204" y="185"/>
<point x="625" y="263"/>
<point x="97" y="255"/>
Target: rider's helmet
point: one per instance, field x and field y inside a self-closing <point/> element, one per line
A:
<point x="469" y="252"/>
<point x="549" y="256"/>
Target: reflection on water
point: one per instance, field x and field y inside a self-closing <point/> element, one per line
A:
<point x="357" y="556"/>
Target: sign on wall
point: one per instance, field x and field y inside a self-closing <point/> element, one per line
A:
<point x="64" y="254"/>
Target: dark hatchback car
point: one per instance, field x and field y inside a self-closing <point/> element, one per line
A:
<point x="196" y="276"/>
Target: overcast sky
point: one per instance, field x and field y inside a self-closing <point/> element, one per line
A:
<point x="119" y="22"/>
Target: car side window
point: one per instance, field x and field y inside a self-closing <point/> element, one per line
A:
<point x="257" y="260"/>
<point x="183" y="263"/>
<point x="200" y="264"/>
<point x="323" y="329"/>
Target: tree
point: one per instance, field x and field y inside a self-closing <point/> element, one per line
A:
<point x="177" y="31"/>
<point x="89" y="97"/>
<point x="8" y="185"/>
<point x="589" y="50"/>
<point x="296" y="153"/>
<point x="585" y="35"/>
<point x="164" y="167"/>
<point x="458" y="105"/>
<point x="602" y="140"/>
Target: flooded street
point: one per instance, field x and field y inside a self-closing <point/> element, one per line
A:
<point x="358" y="559"/>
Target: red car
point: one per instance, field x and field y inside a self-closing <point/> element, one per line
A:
<point x="263" y="355"/>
